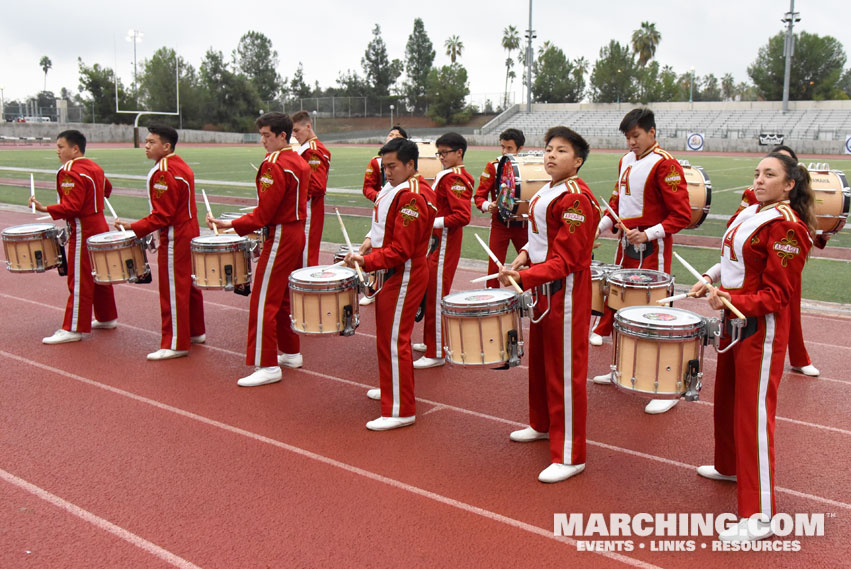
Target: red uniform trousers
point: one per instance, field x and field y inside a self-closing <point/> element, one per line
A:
<point x="500" y="236"/>
<point x="746" y="383"/>
<point x="181" y="302"/>
<point x="558" y="368"/>
<point x="84" y="293"/>
<point x="442" y="264"/>
<point x="313" y="230"/>
<point x="661" y="257"/>
<point x="395" y="308"/>
<point x="269" y="314"/>
<point x="798" y="355"/>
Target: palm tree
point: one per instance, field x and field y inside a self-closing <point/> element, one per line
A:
<point x="45" y="64"/>
<point x="454" y="47"/>
<point x="728" y="86"/>
<point x="644" y="42"/>
<point x="510" y="42"/>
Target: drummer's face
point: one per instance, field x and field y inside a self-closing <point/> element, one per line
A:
<point x="155" y="148"/>
<point x="560" y="159"/>
<point x="639" y="140"/>
<point x="395" y="170"/>
<point x="770" y="182"/>
<point x="64" y="151"/>
<point x="509" y="147"/>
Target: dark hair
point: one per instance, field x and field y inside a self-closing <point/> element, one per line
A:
<point x="801" y="198"/>
<point x="580" y="146"/>
<point x="165" y="132"/>
<point x="401" y="130"/>
<point x="300" y="117"/>
<point x="454" y="141"/>
<point x="405" y="150"/>
<point x="514" y="134"/>
<point x="277" y="123"/>
<point x="641" y="117"/>
<point x="784" y="148"/>
<point x="74" y="138"/>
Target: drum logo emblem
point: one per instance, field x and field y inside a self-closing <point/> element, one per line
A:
<point x="266" y="180"/>
<point x="673" y="179"/>
<point x="409" y="212"/>
<point x="160" y="186"/>
<point x="323" y="274"/>
<point x="574" y="216"/>
<point x="787" y="248"/>
<point x="478" y="297"/>
<point x="67" y="184"/>
<point x="659" y="316"/>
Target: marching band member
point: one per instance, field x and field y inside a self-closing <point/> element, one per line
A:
<point x="318" y="157"/>
<point x="799" y="358"/>
<point x="502" y="233"/>
<point x="81" y="186"/>
<point x="762" y="256"/>
<point x="282" y="187"/>
<point x="398" y="240"/>
<point x="454" y="189"/>
<point x="171" y="195"/>
<point x="651" y="198"/>
<point x="563" y="218"/>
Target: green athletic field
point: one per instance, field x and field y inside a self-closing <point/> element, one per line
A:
<point x="823" y="279"/>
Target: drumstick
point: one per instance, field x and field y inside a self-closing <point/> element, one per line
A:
<point x="614" y="215"/>
<point x="209" y="212"/>
<point x="32" y="190"/>
<point x="249" y="208"/>
<point x="700" y="279"/>
<point x="114" y="216"/>
<point x="349" y="244"/>
<point x="682" y="296"/>
<point x="253" y="166"/>
<point x="338" y="264"/>
<point x="484" y="278"/>
<point x="498" y="263"/>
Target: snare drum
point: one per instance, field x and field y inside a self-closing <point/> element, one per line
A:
<point x="518" y="179"/>
<point x="598" y="296"/>
<point x="118" y="256"/>
<point x="482" y="327"/>
<point x="32" y="248"/>
<point x="699" y="192"/>
<point x="258" y="236"/>
<point x="324" y="300"/>
<point x="632" y="287"/>
<point x="832" y="198"/>
<point x="428" y="165"/>
<point x="658" y="351"/>
<point x="221" y="261"/>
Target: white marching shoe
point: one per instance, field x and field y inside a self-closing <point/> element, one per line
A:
<point x="659" y="406"/>
<point x="294" y="361"/>
<point x="261" y="376"/>
<point x="199" y="339"/>
<point x="595" y="339"/>
<point x="747" y="530"/>
<point x="558" y="472"/>
<point x="808" y="369"/>
<point x="374" y="394"/>
<point x="166" y="354"/>
<point x="388" y="423"/>
<point x="419" y="347"/>
<point x="365" y="301"/>
<point x="603" y="379"/>
<point x="107" y="325"/>
<point x="527" y="435"/>
<point x="709" y="471"/>
<point x="62" y="337"/>
<point x="425" y="362"/>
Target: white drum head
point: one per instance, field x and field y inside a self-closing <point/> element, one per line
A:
<point x="659" y="316"/>
<point x="322" y="274"/>
<point x="29" y="228"/>
<point x="476" y="297"/>
<point x="219" y="239"/>
<point x="112" y="237"/>
<point x="639" y="277"/>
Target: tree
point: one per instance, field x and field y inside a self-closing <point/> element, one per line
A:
<point x="419" y="57"/>
<point x="45" y="65"/>
<point x="454" y="48"/>
<point x="816" y="69"/>
<point x="256" y="59"/>
<point x="728" y="87"/>
<point x="613" y="76"/>
<point x="232" y="102"/>
<point x="157" y="88"/>
<point x="845" y="84"/>
<point x="644" y="42"/>
<point x="556" y="79"/>
<point x="709" y="89"/>
<point x="510" y="42"/>
<point x="298" y="87"/>
<point x="99" y="83"/>
<point x="447" y="92"/>
<point x="380" y="72"/>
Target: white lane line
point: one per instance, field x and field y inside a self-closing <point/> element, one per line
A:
<point x="392" y="482"/>
<point x="98" y="522"/>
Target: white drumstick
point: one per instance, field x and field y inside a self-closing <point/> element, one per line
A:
<point x="498" y="262"/>
<point x="249" y="208"/>
<point x="253" y="166"/>
<point x="112" y="211"/>
<point x="43" y="217"/>
<point x="614" y="215"/>
<point x="682" y="296"/>
<point x="32" y="190"/>
<point x="349" y="244"/>
<point x="207" y="203"/>
<point x="700" y="279"/>
<point x="484" y="278"/>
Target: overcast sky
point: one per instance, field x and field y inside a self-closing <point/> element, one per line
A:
<point x="330" y="36"/>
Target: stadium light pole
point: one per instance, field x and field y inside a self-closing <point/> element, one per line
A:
<point x="391" y="115"/>
<point x="789" y="49"/>
<point x="315" y="125"/>
<point x="2" y="105"/>
<point x="135" y="36"/>
<point x="530" y="35"/>
<point x="691" y="84"/>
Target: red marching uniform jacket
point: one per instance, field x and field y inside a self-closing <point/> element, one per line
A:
<point x="487" y="190"/>
<point x="279" y="200"/>
<point x="318" y="157"/>
<point x="373" y="179"/>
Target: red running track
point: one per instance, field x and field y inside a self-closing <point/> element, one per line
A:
<point x="107" y="460"/>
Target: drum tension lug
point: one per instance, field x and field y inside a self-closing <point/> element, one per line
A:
<point x="693" y="383"/>
<point x="513" y="349"/>
<point x="39" y="262"/>
<point x="131" y="270"/>
<point x="228" y="277"/>
<point x="348" y="319"/>
<point x="62" y="269"/>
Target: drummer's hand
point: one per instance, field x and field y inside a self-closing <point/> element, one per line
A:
<point x="37" y="204"/>
<point x="699" y="289"/>
<point x="366" y="246"/>
<point x="352" y="258"/>
<point x="715" y="297"/>
<point x="211" y="221"/>
<point x="492" y="208"/>
<point x="596" y="244"/>
<point x="636" y="236"/>
<point x="505" y="272"/>
<point x="521" y="260"/>
<point x="121" y="224"/>
<point x="597" y="234"/>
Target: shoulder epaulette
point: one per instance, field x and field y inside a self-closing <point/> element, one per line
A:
<point x="788" y="213"/>
<point x="663" y="153"/>
<point x="414" y="185"/>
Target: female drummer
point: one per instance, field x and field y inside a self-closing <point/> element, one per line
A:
<point x="563" y="218"/>
<point x="762" y="256"/>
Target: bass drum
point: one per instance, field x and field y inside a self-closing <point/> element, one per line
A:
<point x="699" y="192"/>
<point x="428" y="164"/>
<point x="832" y="198"/>
<point x="518" y="178"/>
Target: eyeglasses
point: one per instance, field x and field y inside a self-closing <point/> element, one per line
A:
<point x="443" y="153"/>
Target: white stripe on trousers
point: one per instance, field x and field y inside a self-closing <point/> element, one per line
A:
<point x="441" y="261"/>
<point x="304" y="262"/>
<point x="394" y="337"/>
<point x="261" y="298"/>
<point x="567" y="369"/>
<point x="763" y="456"/>
<point x="78" y="250"/>
<point x="172" y="286"/>
<point x="660" y="258"/>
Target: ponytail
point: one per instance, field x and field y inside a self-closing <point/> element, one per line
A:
<point x="801" y="198"/>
